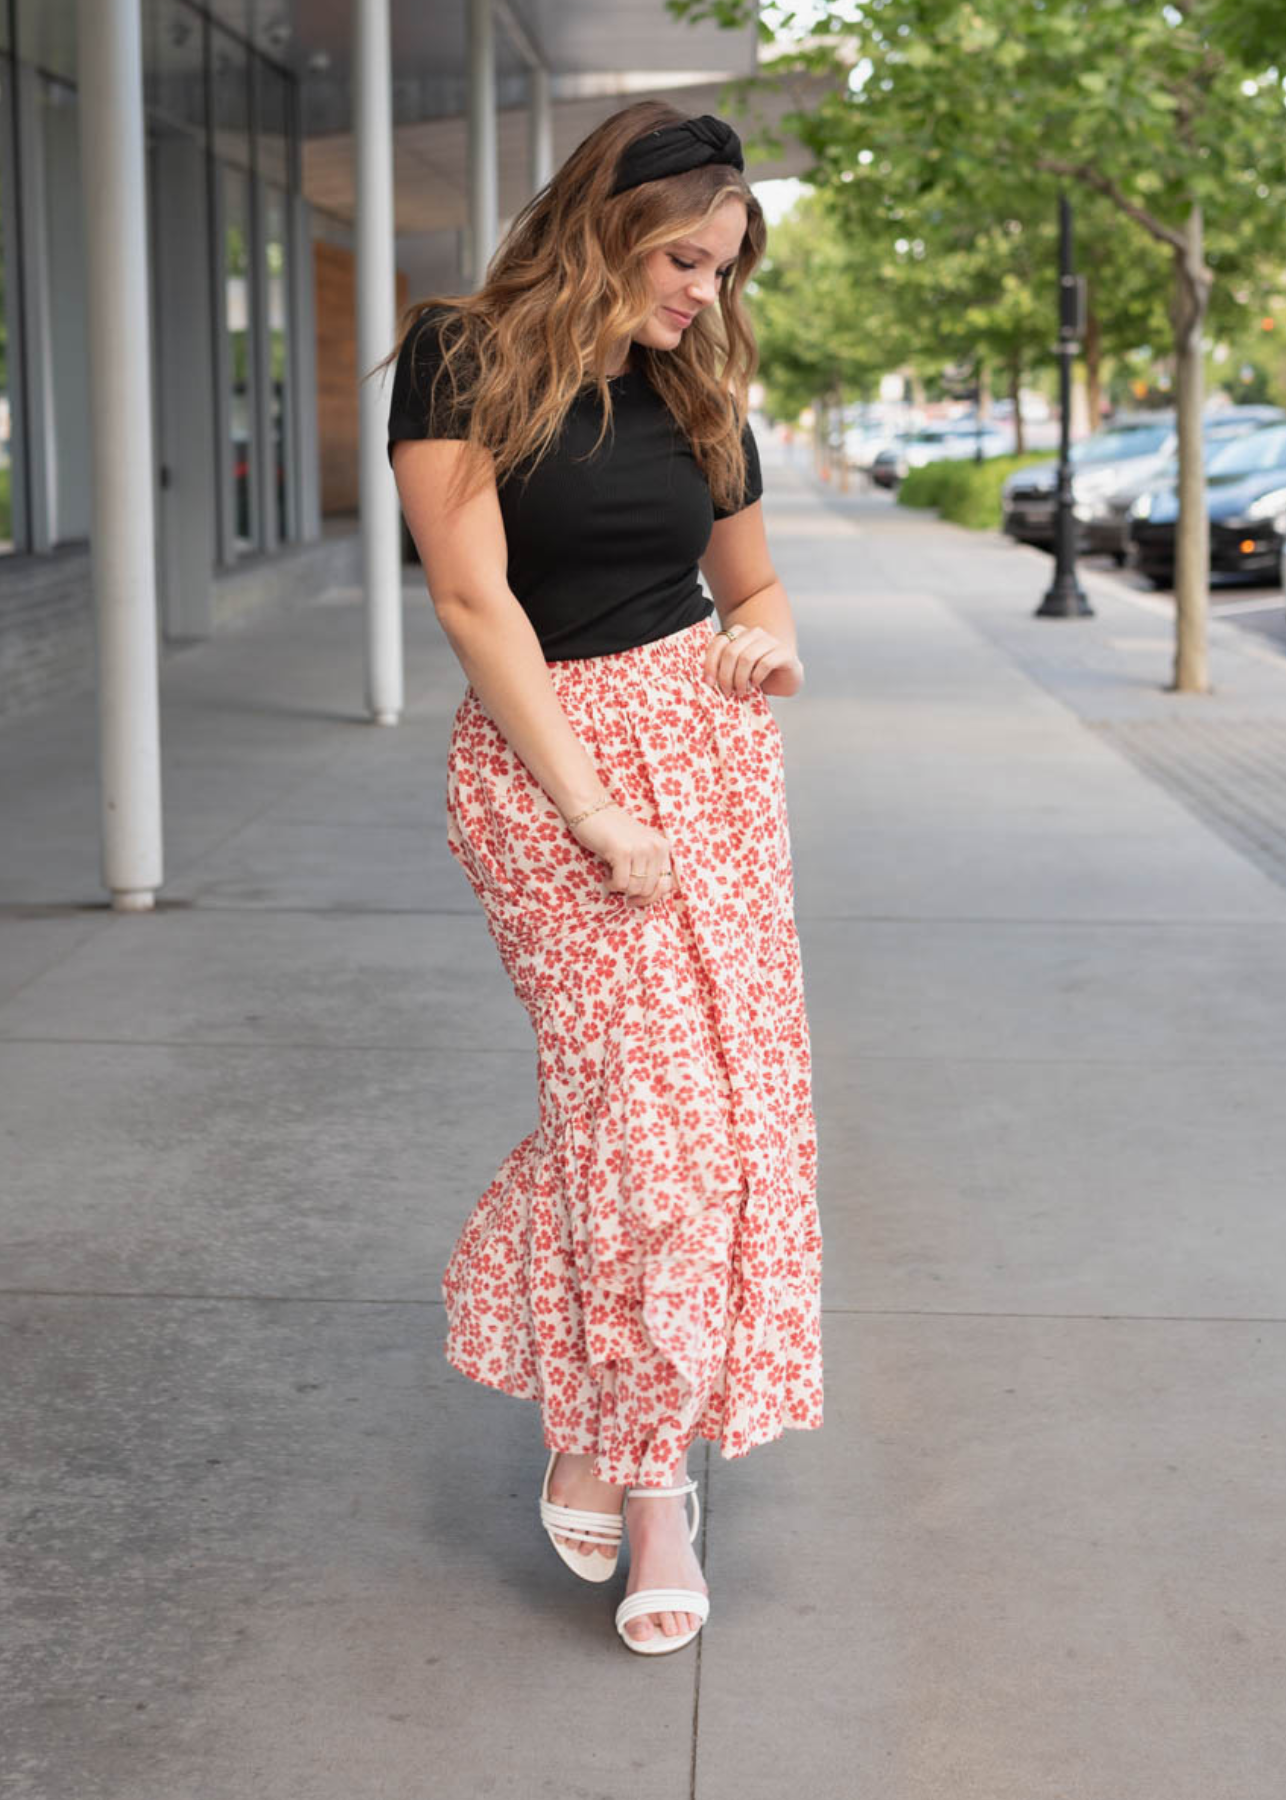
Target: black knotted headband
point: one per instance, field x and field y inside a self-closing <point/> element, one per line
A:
<point x="674" y="149"/>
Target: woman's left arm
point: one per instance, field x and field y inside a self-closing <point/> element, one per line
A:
<point x="747" y="592"/>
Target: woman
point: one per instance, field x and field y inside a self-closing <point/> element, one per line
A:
<point x="570" y="446"/>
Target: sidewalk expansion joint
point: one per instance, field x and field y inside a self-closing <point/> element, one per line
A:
<point x="167" y="1296"/>
<point x="182" y="1296"/>
<point x="1090" y="1318"/>
<point x="456" y="1053"/>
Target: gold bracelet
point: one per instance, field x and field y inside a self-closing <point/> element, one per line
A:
<point x="590" y="809"/>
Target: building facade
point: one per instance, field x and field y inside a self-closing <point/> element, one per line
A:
<point x="232" y="332"/>
<point x="211" y="213"/>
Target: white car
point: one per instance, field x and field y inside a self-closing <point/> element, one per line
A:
<point x="955" y="441"/>
<point x="863" y="444"/>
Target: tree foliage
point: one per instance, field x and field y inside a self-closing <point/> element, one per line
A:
<point x="1169" y="113"/>
<point x="824" y="320"/>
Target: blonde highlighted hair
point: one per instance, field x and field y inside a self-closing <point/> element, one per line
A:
<point x="568" y="284"/>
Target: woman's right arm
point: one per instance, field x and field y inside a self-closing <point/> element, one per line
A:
<point x="464" y="555"/>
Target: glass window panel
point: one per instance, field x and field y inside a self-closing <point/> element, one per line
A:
<point x="231" y="83"/>
<point x="9" y="532"/>
<point x="239" y="316"/>
<point x="46" y="36"/>
<point x="174" y="64"/>
<point x="65" y="456"/>
<point x="237" y="15"/>
<point x="273" y="120"/>
<point x="277" y="293"/>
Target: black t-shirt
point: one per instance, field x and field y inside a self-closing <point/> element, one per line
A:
<point x="602" y="552"/>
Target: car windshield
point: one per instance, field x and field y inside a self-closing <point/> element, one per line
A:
<point x="1264" y="449"/>
<point x="1218" y="431"/>
<point x="1119" y="446"/>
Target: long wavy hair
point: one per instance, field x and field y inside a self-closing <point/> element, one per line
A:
<point x="568" y="283"/>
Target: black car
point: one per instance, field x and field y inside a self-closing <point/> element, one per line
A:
<point x="1246" y="501"/>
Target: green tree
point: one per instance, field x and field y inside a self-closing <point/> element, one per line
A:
<point x="1166" y="112"/>
<point x="822" y="316"/>
<point x="973" y="285"/>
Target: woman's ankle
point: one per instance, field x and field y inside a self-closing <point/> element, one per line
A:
<point x="578" y="1465"/>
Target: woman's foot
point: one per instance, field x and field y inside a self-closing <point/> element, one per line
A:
<point x="572" y="1484"/>
<point x="662" y="1557"/>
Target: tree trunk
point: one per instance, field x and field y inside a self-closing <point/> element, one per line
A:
<point x="1094" y="367"/>
<point x="1192" y="282"/>
<point x="1016" y="401"/>
<point x="840" y="453"/>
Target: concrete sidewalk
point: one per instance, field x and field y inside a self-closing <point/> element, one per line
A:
<point x="264" y="1545"/>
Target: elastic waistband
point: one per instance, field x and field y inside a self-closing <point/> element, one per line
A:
<point x="677" y="648"/>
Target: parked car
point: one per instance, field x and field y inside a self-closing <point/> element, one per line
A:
<point x="1036" y="409"/>
<point x="1246" y="503"/>
<point x="954" y="441"/>
<point x="1134" y="447"/>
<point x="1108" y="527"/>
<point x="1109" y="471"/>
<point x="885" y="462"/>
<point x="862" y="444"/>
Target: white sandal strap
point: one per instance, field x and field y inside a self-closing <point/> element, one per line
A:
<point x="603" y="1528"/>
<point x="654" y="1600"/>
<point x="685" y="1488"/>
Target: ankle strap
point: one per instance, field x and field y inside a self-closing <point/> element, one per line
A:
<point x="642" y="1493"/>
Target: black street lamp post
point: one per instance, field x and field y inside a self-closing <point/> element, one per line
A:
<point x="1066" y="598"/>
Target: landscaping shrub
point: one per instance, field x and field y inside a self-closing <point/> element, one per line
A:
<point x="966" y="492"/>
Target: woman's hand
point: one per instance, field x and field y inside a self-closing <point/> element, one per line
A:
<point x="752" y="657"/>
<point x="639" y="857"/>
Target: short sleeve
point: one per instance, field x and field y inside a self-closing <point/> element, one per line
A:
<point x="412" y="396"/>
<point x="754" y="477"/>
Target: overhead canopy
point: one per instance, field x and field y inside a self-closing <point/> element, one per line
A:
<point x="600" y="55"/>
<point x="585" y="39"/>
<point x="431" y="166"/>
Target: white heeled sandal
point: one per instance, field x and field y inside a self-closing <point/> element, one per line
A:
<point x="654" y="1600"/>
<point x="595" y="1527"/>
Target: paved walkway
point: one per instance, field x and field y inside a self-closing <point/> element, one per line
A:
<point x="264" y="1545"/>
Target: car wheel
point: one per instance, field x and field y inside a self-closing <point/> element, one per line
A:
<point x="1119" y="558"/>
<point x="1164" y="582"/>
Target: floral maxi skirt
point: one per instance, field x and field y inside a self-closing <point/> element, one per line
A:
<point x="646" y="1263"/>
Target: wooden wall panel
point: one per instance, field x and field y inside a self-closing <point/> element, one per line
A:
<point x="335" y="293"/>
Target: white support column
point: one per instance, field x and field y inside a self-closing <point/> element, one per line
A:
<point x="484" y="180"/>
<point x="376" y="325"/>
<point x="120" y="429"/>
<point x="541" y="125"/>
